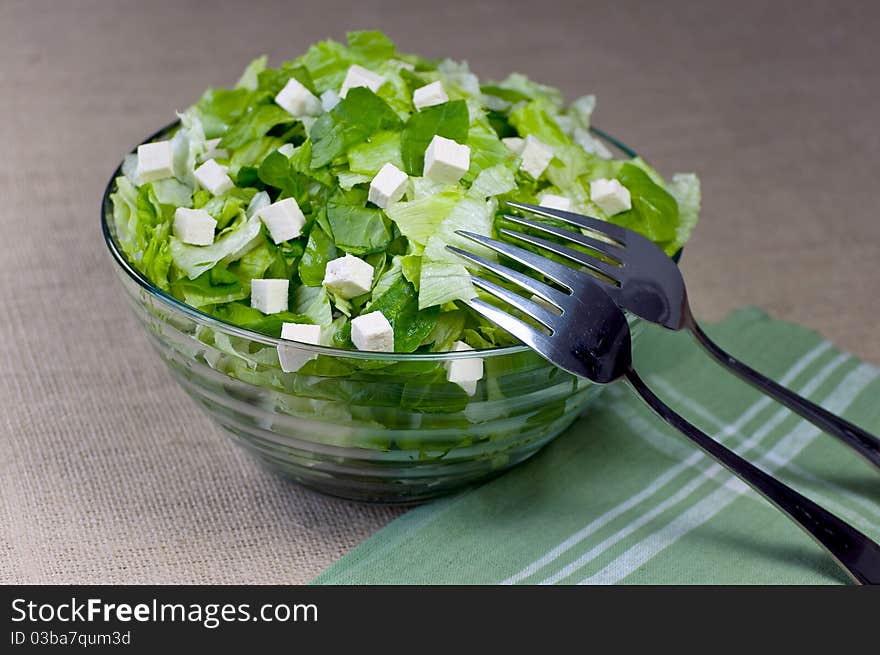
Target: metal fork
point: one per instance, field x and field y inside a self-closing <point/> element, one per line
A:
<point x="641" y="279"/>
<point x="589" y="337"/>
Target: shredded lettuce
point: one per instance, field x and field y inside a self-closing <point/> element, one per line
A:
<point x="494" y="181"/>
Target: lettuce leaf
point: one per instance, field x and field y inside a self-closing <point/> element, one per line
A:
<point x="493" y="181"/>
<point x="381" y="148"/>
<point x="371" y="47"/>
<point x="326" y="62"/>
<point x="357" y="229"/>
<point x="654" y="211"/>
<point x="250" y="77"/>
<point x="685" y="188"/>
<point x="419" y="219"/>
<point x="314" y="304"/>
<point x="443" y="276"/>
<point x="254" y="125"/>
<point x="357" y="116"/>
<point x="534" y="119"/>
<point x="320" y="249"/>
<point x="143" y="226"/>
<point x="202" y="291"/>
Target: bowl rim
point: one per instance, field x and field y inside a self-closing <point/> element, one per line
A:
<point x="231" y="329"/>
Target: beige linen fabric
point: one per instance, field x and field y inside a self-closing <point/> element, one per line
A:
<point x="109" y="474"/>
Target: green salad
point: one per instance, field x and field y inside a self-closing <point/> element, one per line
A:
<point x="315" y="200"/>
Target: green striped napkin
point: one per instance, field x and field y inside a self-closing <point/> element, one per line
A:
<point x="621" y="498"/>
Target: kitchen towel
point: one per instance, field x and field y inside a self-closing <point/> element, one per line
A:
<point x="622" y="498"/>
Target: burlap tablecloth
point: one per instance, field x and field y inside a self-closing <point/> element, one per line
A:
<point x="109" y="474"/>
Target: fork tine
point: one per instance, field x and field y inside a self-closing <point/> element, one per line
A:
<point x="530" y="284"/>
<point x="615" y="232"/>
<point x="607" y="249"/>
<point x="528" y="307"/>
<point x="608" y="270"/>
<point x="559" y="273"/>
<point x="522" y="331"/>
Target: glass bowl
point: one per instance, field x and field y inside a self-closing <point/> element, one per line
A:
<point x="378" y="427"/>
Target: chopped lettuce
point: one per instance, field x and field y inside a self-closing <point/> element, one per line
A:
<point x="493" y="181"/>
<point x="357" y="116"/>
<point x="685" y="188"/>
<point x="327" y="162"/>
<point x="419" y="219"/>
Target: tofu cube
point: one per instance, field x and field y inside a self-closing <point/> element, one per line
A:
<point x="552" y="201"/>
<point x="360" y="76"/>
<point x="536" y="156"/>
<point x="514" y="144"/>
<point x="296" y="99"/>
<point x="429" y="95"/>
<point x="388" y="185"/>
<point x="464" y="372"/>
<point x="270" y="295"/>
<point x="194" y="226"/>
<point x="446" y="161"/>
<point x="329" y="99"/>
<point x="155" y="161"/>
<point x="284" y="219"/>
<point x="610" y="196"/>
<point x="348" y="276"/>
<point x="212" y="151"/>
<point x="212" y="176"/>
<point x="372" y="332"/>
<point x="291" y="357"/>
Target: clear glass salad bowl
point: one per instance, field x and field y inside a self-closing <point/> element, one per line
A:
<point x="380" y="427"/>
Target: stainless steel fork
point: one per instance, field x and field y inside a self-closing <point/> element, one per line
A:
<point x="641" y="279"/>
<point x="583" y="331"/>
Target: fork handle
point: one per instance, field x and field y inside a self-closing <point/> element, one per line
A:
<point x="854" y="551"/>
<point x="867" y="445"/>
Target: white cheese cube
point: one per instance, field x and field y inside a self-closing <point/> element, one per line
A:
<point x="464" y="372"/>
<point x="296" y="99"/>
<point x="269" y="296"/>
<point x="372" y="332"/>
<point x="213" y="177"/>
<point x="610" y="196"/>
<point x="329" y="99"/>
<point x="348" y="276"/>
<point x="514" y="144"/>
<point x="155" y="161"/>
<point x="283" y="219"/>
<point x="388" y="185"/>
<point x="360" y="76"/>
<point x="429" y="95"/>
<point x="536" y="156"/>
<point x="552" y="201"/>
<point x="446" y="161"/>
<point x="194" y="226"/>
<point x="287" y="149"/>
<point x="291" y="357"/>
<point x="212" y="151"/>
